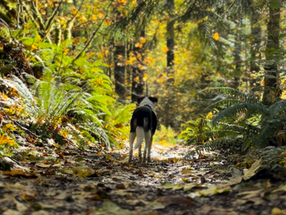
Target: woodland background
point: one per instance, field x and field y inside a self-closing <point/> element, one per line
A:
<point x="72" y="70"/>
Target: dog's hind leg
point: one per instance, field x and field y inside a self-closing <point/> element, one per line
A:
<point x="149" y="150"/>
<point x="147" y="145"/>
<point x="132" y="136"/>
<point x="140" y="154"/>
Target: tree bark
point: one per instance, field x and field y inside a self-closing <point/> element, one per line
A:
<point x="119" y="71"/>
<point x="137" y="73"/>
<point x="169" y="106"/>
<point x="255" y="47"/>
<point x="272" y="89"/>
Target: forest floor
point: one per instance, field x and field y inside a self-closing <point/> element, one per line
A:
<point x="72" y="181"/>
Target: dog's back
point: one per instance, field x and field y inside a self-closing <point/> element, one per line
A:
<point x="142" y="117"/>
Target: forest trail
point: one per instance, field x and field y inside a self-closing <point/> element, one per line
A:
<point x="73" y="181"/>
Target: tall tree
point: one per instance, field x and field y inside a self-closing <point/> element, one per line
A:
<point x="272" y="53"/>
<point x="170" y="7"/>
<point x="255" y="40"/>
<point x="119" y="70"/>
<point x="138" y="70"/>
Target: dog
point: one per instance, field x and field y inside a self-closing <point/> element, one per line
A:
<point x="143" y="124"/>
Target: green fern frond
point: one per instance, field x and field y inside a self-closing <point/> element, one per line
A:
<point x="277" y="108"/>
<point x="223" y="103"/>
<point x="228" y="91"/>
<point x="251" y="108"/>
<point x="269" y="130"/>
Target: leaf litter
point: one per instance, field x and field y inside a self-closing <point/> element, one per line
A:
<point x="52" y="180"/>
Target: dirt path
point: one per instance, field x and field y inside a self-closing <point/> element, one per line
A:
<point x="71" y="181"/>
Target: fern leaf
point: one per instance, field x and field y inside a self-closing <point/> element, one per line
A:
<point x="251" y="108"/>
<point x="230" y="92"/>
<point x="223" y="103"/>
<point x="277" y="108"/>
<point x="269" y="130"/>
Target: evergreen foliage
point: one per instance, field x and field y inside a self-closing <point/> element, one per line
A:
<point x="247" y="121"/>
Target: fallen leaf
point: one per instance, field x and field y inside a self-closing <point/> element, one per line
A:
<point x="189" y="186"/>
<point x="174" y="200"/>
<point x="212" y="190"/>
<point x="283" y="188"/>
<point x="252" y="170"/>
<point x="277" y="211"/>
<point x="120" y="186"/>
<point x="109" y="207"/>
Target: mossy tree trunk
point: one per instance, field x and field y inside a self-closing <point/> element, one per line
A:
<point x="272" y="89"/>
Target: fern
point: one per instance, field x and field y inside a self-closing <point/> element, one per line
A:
<point x="244" y="107"/>
<point x="227" y="92"/>
<point x="46" y="100"/>
<point x="252" y="122"/>
<point x="269" y="130"/>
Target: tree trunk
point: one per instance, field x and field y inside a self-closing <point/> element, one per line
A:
<point x="119" y="71"/>
<point x="272" y="89"/>
<point x="169" y="108"/>
<point x="138" y="83"/>
<point x="255" y="47"/>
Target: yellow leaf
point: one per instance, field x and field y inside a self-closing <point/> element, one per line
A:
<point x="34" y="47"/>
<point x="209" y="116"/>
<point x="216" y="36"/>
<point x="5" y="140"/>
<point x="138" y="45"/>
<point x="100" y="55"/>
<point x="74" y="12"/>
<point x="107" y="22"/>
<point x="4" y="96"/>
<point x="66" y="51"/>
<point x="27" y="26"/>
<point x="134" y="3"/>
<point x="57" y="145"/>
<point x="9" y="126"/>
<point x="141" y="67"/>
<point x="93" y="17"/>
<point x="277" y="211"/>
<point x="160" y="80"/>
<point x="145" y="77"/>
<point x="142" y="40"/>
<point x="165" y="49"/>
<point x="120" y="8"/>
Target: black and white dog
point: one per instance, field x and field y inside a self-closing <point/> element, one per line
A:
<point x="143" y="124"/>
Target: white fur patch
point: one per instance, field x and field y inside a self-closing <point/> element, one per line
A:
<point x="140" y="136"/>
<point x="147" y="101"/>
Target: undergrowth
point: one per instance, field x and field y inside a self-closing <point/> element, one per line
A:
<point x="237" y="118"/>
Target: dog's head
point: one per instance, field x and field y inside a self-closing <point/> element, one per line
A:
<point x="152" y="99"/>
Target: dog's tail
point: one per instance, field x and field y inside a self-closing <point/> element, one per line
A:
<point x="140" y="136"/>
